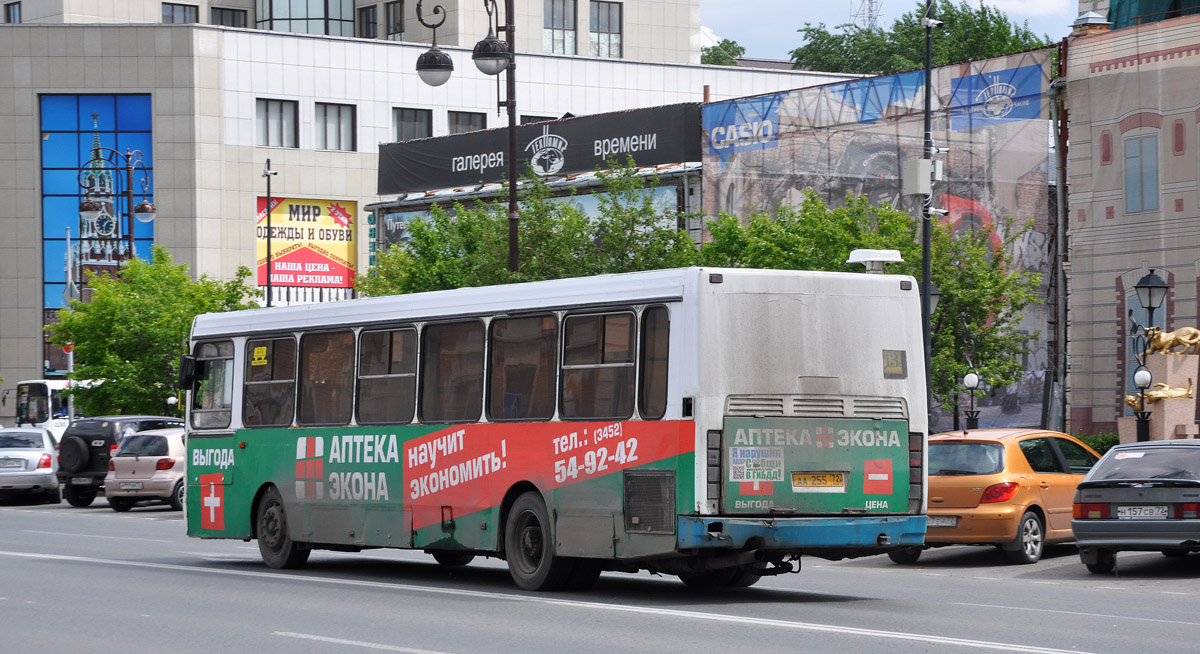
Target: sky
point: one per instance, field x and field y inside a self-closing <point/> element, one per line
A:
<point x="767" y="28"/>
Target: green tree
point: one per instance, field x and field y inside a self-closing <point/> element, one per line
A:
<point x="725" y="53"/>
<point x="469" y="246"/>
<point x="968" y="33"/>
<point x="129" y="334"/>
<point x="983" y="293"/>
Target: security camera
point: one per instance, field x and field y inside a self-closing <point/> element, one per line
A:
<point x="931" y="22"/>
<point x="938" y="212"/>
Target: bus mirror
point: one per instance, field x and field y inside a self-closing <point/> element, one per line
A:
<point x="187" y="372"/>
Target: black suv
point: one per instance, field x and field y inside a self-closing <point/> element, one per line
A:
<point x="86" y="447"/>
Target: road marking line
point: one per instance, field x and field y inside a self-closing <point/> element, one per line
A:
<point x="1080" y="613"/>
<point x="617" y="608"/>
<point x="57" y="533"/>
<point x="356" y="643"/>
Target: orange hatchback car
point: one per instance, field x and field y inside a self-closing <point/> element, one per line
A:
<point x="1012" y="488"/>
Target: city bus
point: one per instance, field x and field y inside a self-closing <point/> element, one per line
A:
<point x="40" y="403"/>
<point x="711" y="424"/>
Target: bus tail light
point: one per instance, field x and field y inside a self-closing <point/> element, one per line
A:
<point x="916" y="464"/>
<point x="165" y="463"/>
<point x="1186" y="511"/>
<point x="713" y="467"/>
<point x="44" y="463"/>
<point x="1090" y="511"/>
<point x="999" y="492"/>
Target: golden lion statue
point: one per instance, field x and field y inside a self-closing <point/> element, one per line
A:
<point x="1164" y="392"/>
<point x="1186" y="337"/>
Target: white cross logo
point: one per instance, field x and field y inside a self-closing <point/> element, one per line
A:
<point x="212" y="502"/>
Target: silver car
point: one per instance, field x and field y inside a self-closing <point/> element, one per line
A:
<point x="1139" y="497"/>
<point x="29" y="463"/>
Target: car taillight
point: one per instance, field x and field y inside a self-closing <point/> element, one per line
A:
<point x="999" y="492"/>
<point x="112" y="448"/>
<point x="1185" y="511"/>
<point x="44" y="463"/>
<point x="110" y="466"/>
<point x="165" y="463"/>
<point x="1089" y="511"/>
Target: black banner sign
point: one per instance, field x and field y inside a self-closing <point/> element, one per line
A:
<point x="652" y="136"/>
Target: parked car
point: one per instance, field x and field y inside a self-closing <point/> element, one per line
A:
<point x="149" y="465"/>
<point x="88" y="444"/>
<point x="1140" y="497"/>
<point x="1011" y="488"/>
<point x="29" y="463"/>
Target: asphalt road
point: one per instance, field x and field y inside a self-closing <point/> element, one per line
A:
<point x="76" y="580"/>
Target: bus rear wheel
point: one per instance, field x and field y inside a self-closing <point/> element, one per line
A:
<point x="529" y="546"/>
<point x="276" y="546"/>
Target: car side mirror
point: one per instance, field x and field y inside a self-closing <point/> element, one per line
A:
<point x="187" y="372"/>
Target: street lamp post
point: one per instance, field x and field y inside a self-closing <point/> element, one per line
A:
<point x="1151" y="291"/>
<point x="268" y="173"/>
<point x="491" y="55"/>
<point x="91" y="208"/>
<point x="971" y="383"/>
<point x="926" y="249"/>
<point x="930" y="296"/>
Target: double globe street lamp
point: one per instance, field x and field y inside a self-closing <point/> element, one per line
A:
<point x="491" y="55"/>
<point x="1151" y="291"/>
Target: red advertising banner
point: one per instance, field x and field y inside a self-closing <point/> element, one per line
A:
<point x="313" y="242"/>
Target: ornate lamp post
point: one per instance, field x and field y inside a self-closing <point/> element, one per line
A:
<point x="971" y="383"/>
<point x="92" y="207"/>
<point x="491" y="55"/>
<point x="1151" y="291"/>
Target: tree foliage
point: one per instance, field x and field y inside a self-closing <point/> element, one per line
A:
<point x="968" y="33"/>
<point x="725" y="53"/>
<point x="469" y="246"/>
<point x="129" y="334"/>
<point x="983" y="293"/>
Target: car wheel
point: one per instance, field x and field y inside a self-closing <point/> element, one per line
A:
<point x="73" y="454"/>
<point x="52" y="496"/>
<point x="1031" y="538"/>
<point x="120" y="504"/>
<point x="451" y="558"/>
<point x="1106" y="560"/>
<point x="529" y="546"/>
<point x="79" y="498"/>
<point x="1175" y="554"/>
<point x="275" y="544"/>
<point x="177" y="496"/>
<point x="906" y="556"/>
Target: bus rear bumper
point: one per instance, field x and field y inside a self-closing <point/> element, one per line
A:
<point x="796" y="534"/>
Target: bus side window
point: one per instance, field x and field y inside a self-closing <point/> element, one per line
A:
<point x="656" y="327"/>
<point x="598" y="370"/>
<point x="387" y="376"/>
<point x="326" y="378"/>
<point x="452" y="372"/>
<point x="212" y="388"/>
<point x="270" y="392"/>
<point x="524" y="362"/>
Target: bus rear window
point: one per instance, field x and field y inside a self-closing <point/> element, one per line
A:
<point x="270" y="392"/>
<point x="656" y="326"/>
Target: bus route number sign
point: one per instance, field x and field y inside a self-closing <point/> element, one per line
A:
<point x="895" y="364"/>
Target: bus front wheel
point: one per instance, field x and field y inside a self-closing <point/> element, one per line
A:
<point x="529" y="546"/>
<point x="276" y="546"/>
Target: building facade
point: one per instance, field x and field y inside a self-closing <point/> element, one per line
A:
<point x="207" y="105"/>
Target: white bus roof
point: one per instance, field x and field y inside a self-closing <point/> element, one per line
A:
<point x="600" y="290"/>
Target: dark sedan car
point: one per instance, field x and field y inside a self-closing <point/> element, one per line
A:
<point x="1140" y="496"/>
